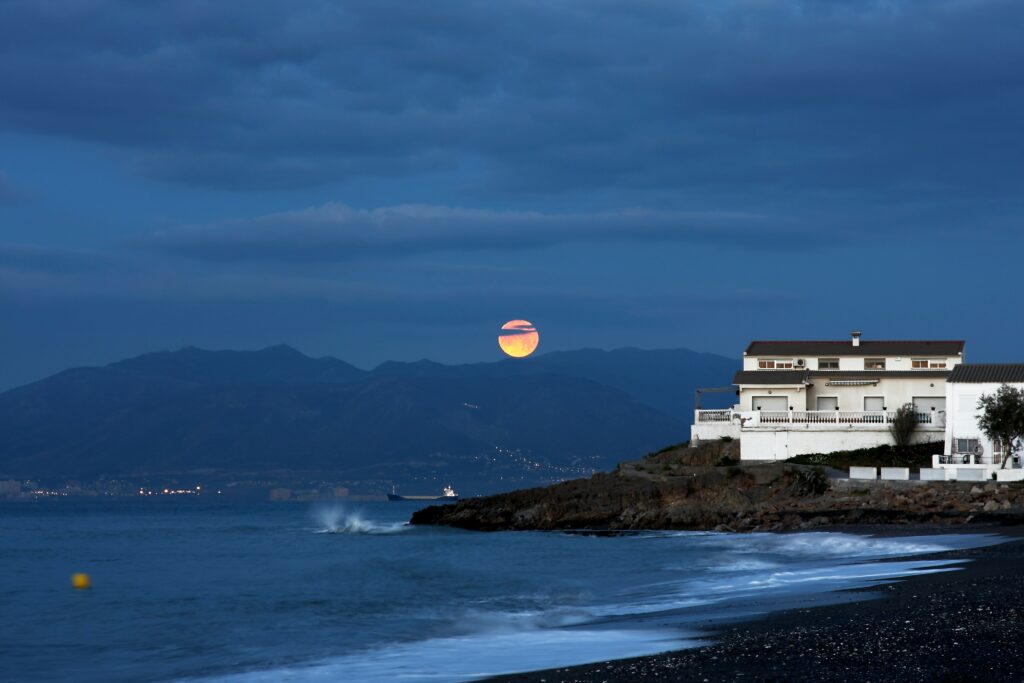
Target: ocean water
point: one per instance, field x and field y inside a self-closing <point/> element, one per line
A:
<point x="197" y="591"/>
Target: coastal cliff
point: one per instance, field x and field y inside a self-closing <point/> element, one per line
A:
<point x="704" y="488"/>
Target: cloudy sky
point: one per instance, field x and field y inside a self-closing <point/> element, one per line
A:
<point x="393" y="180"/>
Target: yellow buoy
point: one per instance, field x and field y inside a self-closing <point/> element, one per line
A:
<point x="81" y="581"/>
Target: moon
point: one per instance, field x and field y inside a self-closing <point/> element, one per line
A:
<point x="518" y="338"/>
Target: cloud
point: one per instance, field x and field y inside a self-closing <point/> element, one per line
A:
<point x="726" y="98"/>
<point x="335" y="232"/>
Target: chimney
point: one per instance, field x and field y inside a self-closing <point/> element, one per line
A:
<point x="855" y="338"/>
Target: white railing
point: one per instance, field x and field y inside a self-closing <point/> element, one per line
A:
<point x="806" y="417"/>
<point x="978" y="459"/>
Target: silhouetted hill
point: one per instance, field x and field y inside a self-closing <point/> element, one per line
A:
<point x="278" y="409"/>
<point x="664" y="379"/>
<point x="274" y="364"/>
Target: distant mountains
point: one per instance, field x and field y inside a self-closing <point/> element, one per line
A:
<point x="277" y="409"/>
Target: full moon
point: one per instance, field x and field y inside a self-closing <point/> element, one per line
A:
<point x="518" y="338"/>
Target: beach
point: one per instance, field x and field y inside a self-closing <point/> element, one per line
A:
<point x="961" y="625"/>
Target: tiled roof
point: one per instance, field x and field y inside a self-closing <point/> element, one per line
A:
<point x="846" y="348"/>
<point x="770" y="377"/>
<point x="880" y="374"/>
<point x="988" y="372"/>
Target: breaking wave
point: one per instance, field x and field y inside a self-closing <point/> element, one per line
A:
<point x="338" y="520"/>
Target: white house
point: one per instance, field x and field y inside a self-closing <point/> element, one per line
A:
<point x="966" y="447"/>
<point x="798" y="397"/>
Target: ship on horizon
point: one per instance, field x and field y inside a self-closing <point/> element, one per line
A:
<point x="447" y="494"/>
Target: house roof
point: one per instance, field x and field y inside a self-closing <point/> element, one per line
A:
<point x="770" y="377"/>
<point x="791" y="377"/>
<point x="846" y="348"/>
<point x="987" y="372"/>
<point x="877" y="374"/>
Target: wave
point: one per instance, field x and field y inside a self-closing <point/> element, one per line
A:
<point x="731" y="577"/>
<point x="832" y="544"/>
<point x="475" y="656"/>
<point x="338" y="520"/>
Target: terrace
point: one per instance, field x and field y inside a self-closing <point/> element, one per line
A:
<point x="811" y="419"/>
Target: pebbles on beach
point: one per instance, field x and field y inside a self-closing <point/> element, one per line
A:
<point x="952" y="626"/>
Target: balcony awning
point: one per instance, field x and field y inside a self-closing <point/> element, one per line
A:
<point x="850" y="382"/>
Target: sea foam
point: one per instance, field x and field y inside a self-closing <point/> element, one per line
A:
<point x="335" y="519"/>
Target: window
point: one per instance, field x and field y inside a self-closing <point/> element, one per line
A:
<point x="965" y="445"/>
<point x="919" y="363"/>
<point x="765" y="364"/>
<point x="924" y="363"/>
<point x="828" y="363"/>
<point x="828" y="403"/>
<point x="874" y="404"/>
<point x="874" y="364"/>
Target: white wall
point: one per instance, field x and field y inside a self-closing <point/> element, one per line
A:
<point x="767" y="445"/>
<point x="854" y="362"/>
<point x="796" y="396"/>
<point x="895" y="390"/>
<point x="962" y="412"/>
<point x="712" y="431"/>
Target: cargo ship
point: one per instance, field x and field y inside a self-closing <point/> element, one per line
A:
<point x="448" y="494"/>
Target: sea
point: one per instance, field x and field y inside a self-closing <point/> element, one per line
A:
<point x="197" y="590"/>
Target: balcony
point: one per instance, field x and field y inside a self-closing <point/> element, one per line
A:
<point x="813" y="419"/>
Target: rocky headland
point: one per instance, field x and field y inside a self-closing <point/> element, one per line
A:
<point x="705" y="488"/>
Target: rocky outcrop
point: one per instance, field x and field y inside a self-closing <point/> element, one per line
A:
<point x="683" y="488"/>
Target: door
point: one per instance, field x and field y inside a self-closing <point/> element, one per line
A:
<point x="781" y="445"/>
<point x="769" y="403"/>
<point x="874" y="403"/>
<point x="828" y="403"/>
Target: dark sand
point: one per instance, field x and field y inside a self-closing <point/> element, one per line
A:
<point x="961" y="625"/>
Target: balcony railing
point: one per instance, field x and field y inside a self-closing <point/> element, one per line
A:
<point x="705" y="416"/>
<point x="754" y="418"/>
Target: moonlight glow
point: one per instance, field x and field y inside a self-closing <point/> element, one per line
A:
<point x="518" y="338"/>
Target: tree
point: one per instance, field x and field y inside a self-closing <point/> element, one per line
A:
<point x="1002" y="418"/>
<point x="903" y="425"/>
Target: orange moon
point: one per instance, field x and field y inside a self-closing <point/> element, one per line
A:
<point x="518" y="338"/>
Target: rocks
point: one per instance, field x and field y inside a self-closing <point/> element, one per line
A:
<point x="813" y="522"/>
<point x="667" y="491"/>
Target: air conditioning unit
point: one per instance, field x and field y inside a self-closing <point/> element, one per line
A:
<point x="799" y="363"/>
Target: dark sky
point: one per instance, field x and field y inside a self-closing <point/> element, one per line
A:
<point x="393" y="180"/>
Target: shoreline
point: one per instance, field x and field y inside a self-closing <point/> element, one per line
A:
<point x="958" y="625"/>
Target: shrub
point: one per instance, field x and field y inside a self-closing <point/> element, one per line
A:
<point x="915" y="455"/>
<point x="903" y="425"/>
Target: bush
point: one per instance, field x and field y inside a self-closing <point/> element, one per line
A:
<point x="725" y="439"/>
<point x="903" y="425"/>
<point x="915" y="455"/>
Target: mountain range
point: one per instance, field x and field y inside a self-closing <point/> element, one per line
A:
<point x="279" y="410"/>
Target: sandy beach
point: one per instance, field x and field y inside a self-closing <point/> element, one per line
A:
<point x="960" y="625"/>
